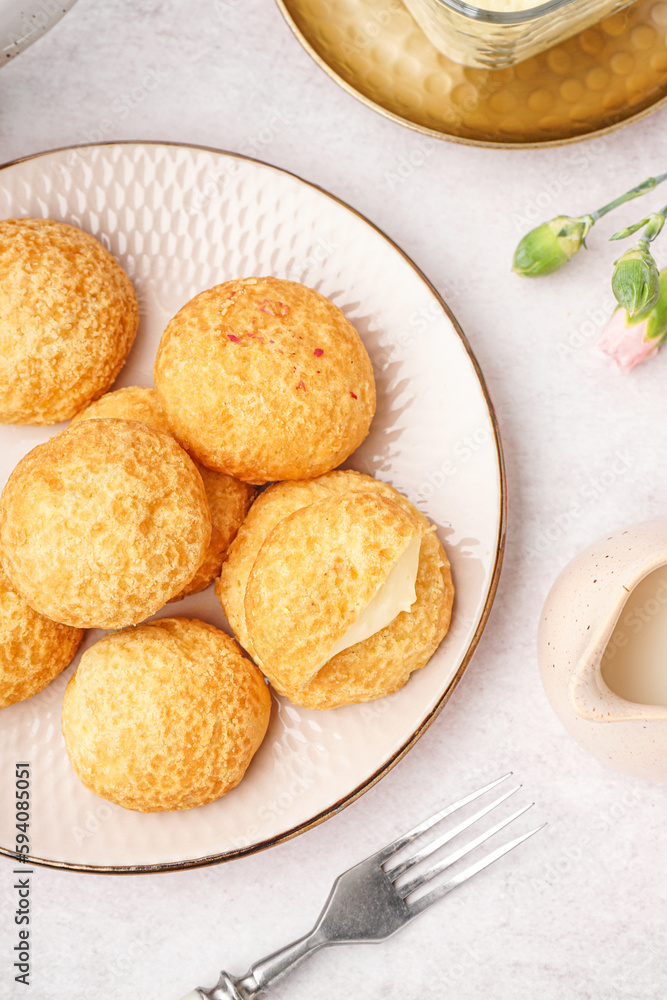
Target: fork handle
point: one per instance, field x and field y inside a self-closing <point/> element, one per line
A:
<point x="263" y="973"/>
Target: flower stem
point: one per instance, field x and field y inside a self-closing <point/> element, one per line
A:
<point x="648" y="185"/>
<point x="656" y="223"/>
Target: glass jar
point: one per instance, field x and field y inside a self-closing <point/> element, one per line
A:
<point x="489" y="39"/>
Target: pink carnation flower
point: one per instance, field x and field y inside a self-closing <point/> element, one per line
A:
<point x="625" y="342"/>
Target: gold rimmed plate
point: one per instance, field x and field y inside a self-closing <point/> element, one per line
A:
<point x="181" y="219"/>
<point x="594" y="82"/>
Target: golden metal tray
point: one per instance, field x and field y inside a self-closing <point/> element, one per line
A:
<point x="608" y="75"/>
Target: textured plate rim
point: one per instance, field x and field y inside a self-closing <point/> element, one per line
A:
<point x="284" y="7"/>
<point x="338" y="806"/>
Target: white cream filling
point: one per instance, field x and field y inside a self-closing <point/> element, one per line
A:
<point x="396" y="594"/>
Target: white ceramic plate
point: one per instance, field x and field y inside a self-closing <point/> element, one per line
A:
<point x="181" y="219"/>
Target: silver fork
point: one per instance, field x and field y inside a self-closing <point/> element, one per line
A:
<point x="369" y="902"/>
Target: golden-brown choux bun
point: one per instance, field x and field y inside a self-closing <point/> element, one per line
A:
<point x="68" y="317"/>
<point x="166" y="715"/>
<point x="33" y="649"/>
<point x="103" y="524"/>
<point x="136" y="402"/>
<point x="228" y="498"/>
<point x="265" y="379"/>
<point x="381" y="663"/>
<point x="315" y="573"/>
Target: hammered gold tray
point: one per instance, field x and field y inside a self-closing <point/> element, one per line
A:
<point x="596" y="81"/>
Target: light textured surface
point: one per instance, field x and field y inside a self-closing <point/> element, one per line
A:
<point x="579" y="912"/>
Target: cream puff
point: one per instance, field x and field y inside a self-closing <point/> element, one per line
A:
<point x="33" y="649"/>
<point x="68" y="318"/>
<point x="166" y="715"/>
<point x="265" y="379"/>
<point x="336" y="612"/>
<point x="103" y="524"/>
<point x="228" y="498"/>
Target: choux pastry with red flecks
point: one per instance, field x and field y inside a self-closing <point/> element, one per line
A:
<point x="265" y="379"/>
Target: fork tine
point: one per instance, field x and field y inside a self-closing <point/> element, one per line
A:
<point x="435" y="845"/>
<point x="432" y="897"/>
<point x="419" y="880"/>
<point x="396" y="845"/>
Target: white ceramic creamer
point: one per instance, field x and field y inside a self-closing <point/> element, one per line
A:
<point x="602" y="648"/>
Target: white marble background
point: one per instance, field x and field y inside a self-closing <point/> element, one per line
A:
<point x="579" y="912"/>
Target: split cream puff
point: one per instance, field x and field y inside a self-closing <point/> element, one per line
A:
<point x="228" y="498"/>
<point x="33" y="649"/>
<point x="103" y="524"/>
<point x="68" y="318"/>
<point x="338" y="588"/>
<point x="166" y="715"/>
<point x="265" y="379"/>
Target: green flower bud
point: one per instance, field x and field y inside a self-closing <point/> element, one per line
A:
<point x="656" y="321"/>
<point x="631" y="340"/>
<point x="544" y="249"/>
<point x="635" y="281"/>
